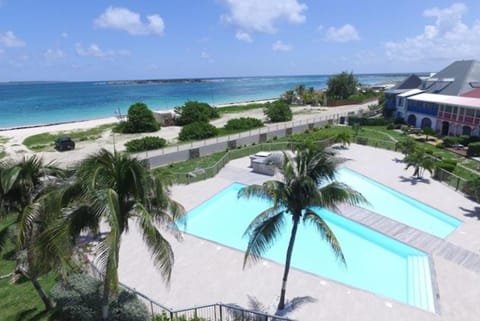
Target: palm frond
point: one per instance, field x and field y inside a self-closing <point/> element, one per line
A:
<point x="262" y="232"/>
<point x="272" y="190"/>
<point x="325" y="232"/>
<point x="9" y="177"/>
<point x="159" y="247"/>
<point x="334" y="193"/>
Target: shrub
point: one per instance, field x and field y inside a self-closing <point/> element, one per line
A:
<point x="278" y="111"/>
<point x="243" y="123"/>
<point x="145" y="143"/>
<point x="364" y="121"/>
<point x="197" y="130"/>
<point x="140" y="120"/>
<point x="390" y="126"/>
<point x="80" y="297"/>
<point x="194" y="111"/>
<point x="362" y="141"/>
<point x="341" y="86"/>
<point x="449" y="141"/>
<point x="473" y="149"/>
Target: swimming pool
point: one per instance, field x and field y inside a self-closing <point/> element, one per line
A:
<point x="375" y="262"/>
<point x="397" y="206"/>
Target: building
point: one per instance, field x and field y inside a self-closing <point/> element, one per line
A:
<point x="448" y="101"/>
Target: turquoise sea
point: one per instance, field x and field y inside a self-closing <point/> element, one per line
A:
<point x="29" y="104"/>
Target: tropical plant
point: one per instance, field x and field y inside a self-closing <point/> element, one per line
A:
<point x="197" y="130"/>
<point x="278" y="111"/>
<point x="420" y="161"/>
<point x="22" y="185"/>
<point x="342" y="86"/>
<point x="145" y="143"/>
<point x="243" y="123"/>
<point x="194" y="111"/>
<point x="344" y="138"/>
<point x="140" y="120"/>
<point x="117" y="190"/>
<point x="406" y="146"/>
<point x="308" y="183"/>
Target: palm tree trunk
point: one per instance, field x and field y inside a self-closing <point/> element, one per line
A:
<point x="43" y="295"/>
<point x="281" y="303"/>
<point x="105" y="298"/>
<point x="41" y="292"/>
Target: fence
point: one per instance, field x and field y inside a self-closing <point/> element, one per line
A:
<point x="211" y="312"/>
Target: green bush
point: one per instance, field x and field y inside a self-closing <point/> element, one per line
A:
<point x="194" y="111"/>
<point x="197" y="130"/>
<point x="364" y="121"/>
<point x="342" y="86"/>
<point x="145" y="143"/>
<point x="390" y="126"/>
<point x="139" y="120"/>
<point x="80" y="297"/>
<point x="449" y="141"/>
<point x="243" y="123"/>
<point x="473" y="149"/>
<point x="278" y="111"/>
<point x="447" y="165"/>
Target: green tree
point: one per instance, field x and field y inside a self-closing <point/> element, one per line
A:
<point x="288" y="96"/>
<point x="22" y="186"/>
<point x="342" y="86"/>
<point x="278" y="111"/>
<point x="194" y="111"/>
<point x="140" y="120"/>
<point x="296" y="196"/>
<point x="420" y="161"/>
<point x="120" y="190"/>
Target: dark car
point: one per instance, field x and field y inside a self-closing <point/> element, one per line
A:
<point x="64" y="143"/>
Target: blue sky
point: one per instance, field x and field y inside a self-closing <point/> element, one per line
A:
<point x="102" y="40"/>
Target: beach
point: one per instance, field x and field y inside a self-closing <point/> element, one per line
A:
<point x="16" y="150"/>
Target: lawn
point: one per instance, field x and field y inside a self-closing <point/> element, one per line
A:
<point x="20" y="301"/>
<point x="192" y="164"/>
<point x="239" y="108"/>
<point x="45" y="141"/>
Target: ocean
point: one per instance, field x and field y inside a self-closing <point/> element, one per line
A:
<point x="30" y="104"/>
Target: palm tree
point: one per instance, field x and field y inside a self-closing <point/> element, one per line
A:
<point x="118" y="190"/>
<point x="300" y="93"/>
<point x="420" y="161"/>
<point x="297" y="195"/>
<point x="344" y="137"/>
<point x="406" y="146"/>
<point x="21" y="186"/>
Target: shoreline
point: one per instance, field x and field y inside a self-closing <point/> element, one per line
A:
<point x="103" y="120"/>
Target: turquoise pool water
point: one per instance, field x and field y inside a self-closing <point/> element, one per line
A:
<point x="397" y="206"/>
<point x="375" y="262"/>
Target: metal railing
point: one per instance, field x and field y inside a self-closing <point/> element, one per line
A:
<point x="211" y="312"/>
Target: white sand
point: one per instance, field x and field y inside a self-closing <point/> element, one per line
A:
<point x="16" y="150"/>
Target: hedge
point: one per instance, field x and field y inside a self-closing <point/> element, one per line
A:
<point x="197" y="130"/>
<point x="473" y="149"/>
<point x="243" y="123"/>
<point x="145" y="143"/>
<point x="364" y="121"/>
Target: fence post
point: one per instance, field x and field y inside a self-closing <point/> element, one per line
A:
<point x="221" y="314"/>
<point x="151" y="308"/>
<point x="458" y="183"/>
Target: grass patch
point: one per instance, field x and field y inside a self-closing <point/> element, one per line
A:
<point x="46" y="140"/>
<point x="20" y="301"/>
<point x="191" y="164"/>
<point x="239" y="108"/>
<point x="4" y="140"/>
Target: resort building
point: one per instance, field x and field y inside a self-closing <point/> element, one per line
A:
<point x="448" y="101"/>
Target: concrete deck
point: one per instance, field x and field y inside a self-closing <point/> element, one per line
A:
<point x="206" y="272"/>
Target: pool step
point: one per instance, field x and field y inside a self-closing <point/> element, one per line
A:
<point x="419" y="282"/>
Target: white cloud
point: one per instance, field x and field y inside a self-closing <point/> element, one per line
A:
<point x="260" y="16"/>
<point x="204" y="55"/>
<point x="64" y="35"/>
<point x="243" y="36"/>
<point x="447" y="38"/>
<point x="344" y="33"/>
<point x="131" y="22"/>
<point x="9" y="40"/>
<point x="54" y="54"/>
<point x="95" y="51"/>
<point x="280" y="46"/>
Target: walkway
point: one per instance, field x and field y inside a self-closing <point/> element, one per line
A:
<point x="423" y="241"/>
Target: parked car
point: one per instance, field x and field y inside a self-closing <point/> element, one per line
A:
<point x="64" y="143"/>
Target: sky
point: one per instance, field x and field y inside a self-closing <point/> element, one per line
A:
<point x="153" y="39"/>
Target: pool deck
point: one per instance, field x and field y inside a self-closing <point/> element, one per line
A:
<point x="206" y="272"/>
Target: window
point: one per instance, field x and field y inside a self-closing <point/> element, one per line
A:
<point x="448" y="109"/>
<point x="470" y="112"/>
